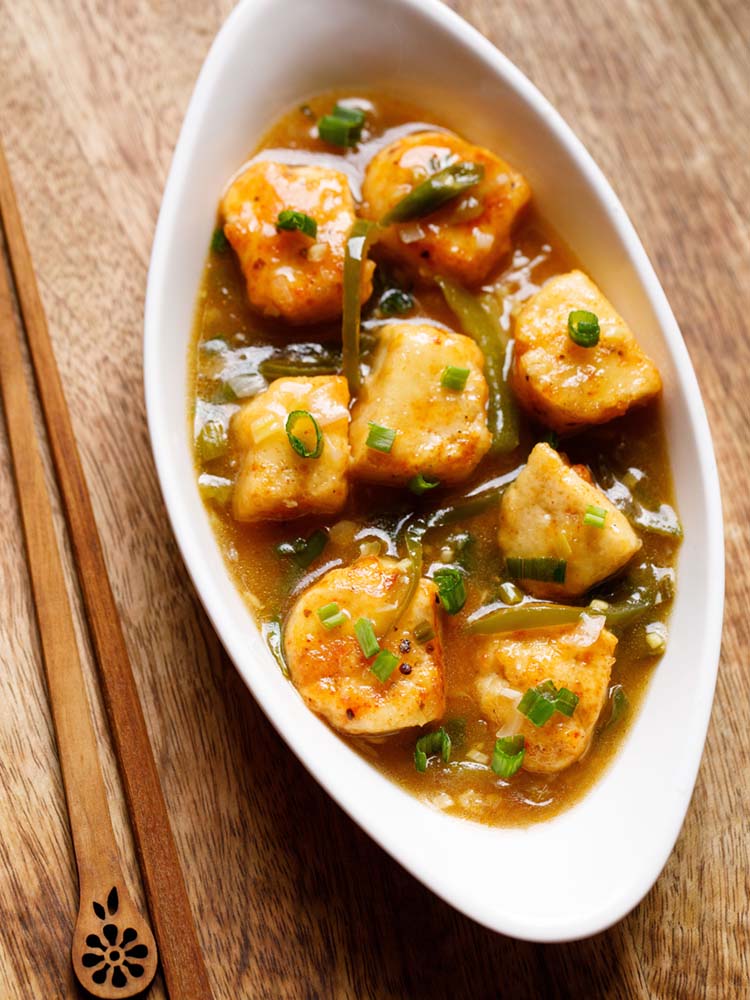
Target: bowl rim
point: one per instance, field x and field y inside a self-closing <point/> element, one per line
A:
<point x="469" y="37"/>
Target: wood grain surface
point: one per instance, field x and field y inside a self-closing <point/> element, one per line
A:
<point x="292" y="900"/>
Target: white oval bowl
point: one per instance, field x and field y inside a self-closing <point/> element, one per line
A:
<point x="576" y="874"/>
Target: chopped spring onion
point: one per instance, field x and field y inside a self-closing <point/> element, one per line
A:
<point x="215" y="488"/>
<point x="566" y="702"/>
<point x="331" y="615"/>
<point x="394" y="302"/>
<point x="538" y="705"/>
<point x="380" y="438"/>
<point x="437" y="189"/>
<point x="542" y="568"/>
<point x="342" y="127"/>
<point x="295" y="418"/>
<point x="619" y="705"/>
<point x="219" y="242"/>
<point x="420" y="484"/>
<point x="290" y="219"/>
<point x="304" y="551"/>
<point x="583" y="328"/>
<point x="656" y="638"/>
<point x="508" y="755"/>
<point x="552" y="439"/>
<point x="479" y="319"/>
<point x="384" y="664"/>
<point x="594" y="516"/>
<point x="451" y="589"/>
<point x="212" y="440"/>
<point x="541" y="702"/>
<point x="368" y="643"/>
<point x="510" y="593"/>
<point x="454" y="378"/>
<point x="355" y="256"/>
<point x="423" y="632"/>
<point x="438" y="742"/>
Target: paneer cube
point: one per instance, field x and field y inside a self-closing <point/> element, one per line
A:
<point x="468" y="236"/>
<point x="566" y="386"/>
<point x="542" y="514"/>
<point x="330" y="670"/>
<point x="439" y="432"/>
<point x="288" y="273"/>
<point x="275" y="482"/>
<point x="577" y="657"/>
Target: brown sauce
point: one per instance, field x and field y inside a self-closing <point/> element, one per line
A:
<point x="633" y="447"/>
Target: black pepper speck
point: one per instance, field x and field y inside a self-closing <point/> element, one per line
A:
<point x="405" y="668"/>
<point x="404" y="646"/>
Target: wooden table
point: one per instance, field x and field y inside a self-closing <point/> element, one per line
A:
<point x="291" y="898"/>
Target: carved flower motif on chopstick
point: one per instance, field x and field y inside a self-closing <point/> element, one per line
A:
<point x="116" y="951"/>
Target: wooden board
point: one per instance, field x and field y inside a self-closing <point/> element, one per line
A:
<point x="293" y="899"/>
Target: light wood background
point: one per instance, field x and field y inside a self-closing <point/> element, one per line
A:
<point x="291" y="898"/>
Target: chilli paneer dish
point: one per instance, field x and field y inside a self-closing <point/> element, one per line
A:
<point x="433" y="456"/>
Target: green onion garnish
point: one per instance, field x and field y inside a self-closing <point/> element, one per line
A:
<point x="294" y="418"/>
<point x="537" y="705"/>
<point x="594" y="516"/>
<point x="431" y="744"/>
<point x="423" y="632"/>
<point x="219" y="242"/>
<point x="436" y="190"/>
<point x="394" y="302"/>
<point x="566" y="702"/>
<point x="454" y="378"/>
<point x="508" y="755"/>
<point x="583" y="328"/>
<point x="384" y="664"/>
<point x="552" y="439"/>
<point x="541" y="702"/>
<point x="212" y="440"/>
<point x="450" y="585"/>
<point x="290" y="219"/>
<point x="368" y="643"/>
<point x="541" y="568"/>
<point x="420" y="484"/>
<point x="331" y="615"/>
<point x="342" y="127"/>
<point x="304" y="551"/>
<point x="380" y="438"/>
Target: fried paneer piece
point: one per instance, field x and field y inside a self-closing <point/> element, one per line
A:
<point x="440" y="432"/>
<point x="542" y="514"/>
<point x="577" y="657"/>
<point x="289" y="274"/>
<point x="464" y="239"/>
<point x="566" y="386"/>
<point x="332" y="674"/>
<point x="274" y="482"/>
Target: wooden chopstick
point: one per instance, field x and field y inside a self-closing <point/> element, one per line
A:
<point x="182" y="961"/>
